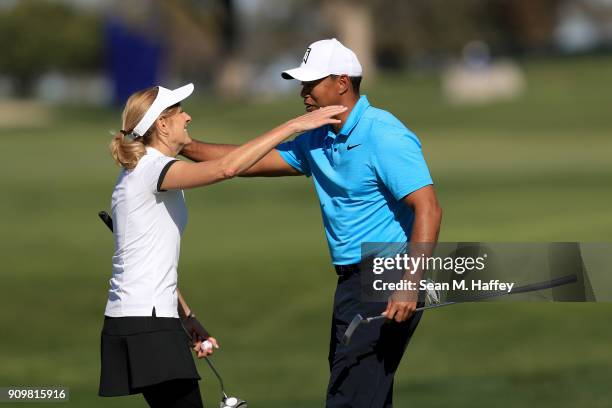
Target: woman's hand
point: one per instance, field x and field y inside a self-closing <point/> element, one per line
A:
<point x="316" y="118"/>
<point x="204" y="348"/>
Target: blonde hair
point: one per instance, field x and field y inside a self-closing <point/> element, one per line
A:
<point x="125" y="150"/>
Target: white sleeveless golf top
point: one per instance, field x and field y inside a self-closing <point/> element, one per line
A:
<point x="147" y="224"/>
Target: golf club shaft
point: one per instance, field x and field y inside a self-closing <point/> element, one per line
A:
<point x="418" y="309"/>
<point x="214" y="370"/>
<point x="564" y="280"/>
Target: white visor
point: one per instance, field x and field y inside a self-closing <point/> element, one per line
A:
<point x="164" y="99"/>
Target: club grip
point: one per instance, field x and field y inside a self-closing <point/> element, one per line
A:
<point x="106" y="219"/>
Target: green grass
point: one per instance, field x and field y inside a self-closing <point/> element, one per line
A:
<point x="255" y="266"/>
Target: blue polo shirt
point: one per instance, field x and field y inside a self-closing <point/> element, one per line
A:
<point x="361" y="175"/>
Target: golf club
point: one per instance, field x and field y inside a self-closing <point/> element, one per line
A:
<point x="358" y="320"/>
<point x="226" y="401"/>
<point x="106" y="219"/>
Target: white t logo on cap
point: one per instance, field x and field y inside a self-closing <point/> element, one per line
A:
<point x="305" y="59"/>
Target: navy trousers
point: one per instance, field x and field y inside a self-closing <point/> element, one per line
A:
<point x="361" y="373"/>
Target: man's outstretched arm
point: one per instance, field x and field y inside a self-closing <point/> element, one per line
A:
<point x="425" y="230"/>
<point x="271" y="165"/>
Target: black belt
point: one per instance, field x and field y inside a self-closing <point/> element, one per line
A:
<point x="346" y="270"/>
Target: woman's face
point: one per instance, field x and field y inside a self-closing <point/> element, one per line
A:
<point x="177" y="128"/>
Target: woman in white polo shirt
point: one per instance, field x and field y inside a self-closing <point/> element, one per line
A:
<point x="144" y="347"/>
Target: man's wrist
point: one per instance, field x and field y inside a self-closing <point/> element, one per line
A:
<point x="185" y="150"/>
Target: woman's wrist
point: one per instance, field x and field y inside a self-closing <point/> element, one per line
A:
<point x="184" y="312"/>
<point x="290" y="127"/>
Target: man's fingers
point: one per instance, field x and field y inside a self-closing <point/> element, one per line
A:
<point x="401" y="314"/>
<point x="391" y="310"/>
<point x="387" y="310"/>
<point x="397" y="314"/>
<point x="405" y="311"/>
<point x="399" y="311"/>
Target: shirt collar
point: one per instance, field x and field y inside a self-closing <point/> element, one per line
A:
<point x="153" y="151"/>
<point x="356" y="114"/>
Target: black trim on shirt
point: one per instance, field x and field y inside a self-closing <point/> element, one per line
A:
<point x="162" y="174"/>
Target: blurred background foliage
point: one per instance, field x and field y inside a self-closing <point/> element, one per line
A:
<point x="41" y="36"/>
<point x="219" y="43"/>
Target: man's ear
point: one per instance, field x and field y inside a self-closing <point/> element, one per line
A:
<point x="343" y="84"/>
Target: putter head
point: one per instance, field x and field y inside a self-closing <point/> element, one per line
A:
<point x="348" y="334"/>
<point x="232" y="402"/>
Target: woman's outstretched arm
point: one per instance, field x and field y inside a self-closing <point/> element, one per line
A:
<point x="183" y="175"/>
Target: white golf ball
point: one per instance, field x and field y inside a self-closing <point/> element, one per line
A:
<point x="207" y="345"/>
<point x="231" y="401"/>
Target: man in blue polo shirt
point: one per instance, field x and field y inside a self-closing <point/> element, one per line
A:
<point x="373" y="186"/>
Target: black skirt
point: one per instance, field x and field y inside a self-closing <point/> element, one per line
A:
<point x="140" y="351"/>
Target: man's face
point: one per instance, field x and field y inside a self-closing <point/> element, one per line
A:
<point x="320" y="93"/>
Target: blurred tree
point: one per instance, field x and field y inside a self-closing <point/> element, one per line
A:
<point x="229" y="24"/>
<point x="353" y="22"/>
<point x="525" y="25"/>
<point x="440" y="28"/>
<point x="37" y="36"/>
<point x="425" y="28"/>
<point x="196" y="35"/>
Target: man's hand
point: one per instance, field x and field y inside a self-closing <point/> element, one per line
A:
<point x="399" y="310"/>
<point x="427" y="218"/>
